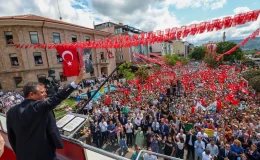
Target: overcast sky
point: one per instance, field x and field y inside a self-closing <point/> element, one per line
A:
<point x="147" y="15"/>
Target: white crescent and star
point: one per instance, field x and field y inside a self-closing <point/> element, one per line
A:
<point x="63" y="57"/>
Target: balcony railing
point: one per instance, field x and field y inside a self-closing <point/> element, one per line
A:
<point x="104" y="61"/>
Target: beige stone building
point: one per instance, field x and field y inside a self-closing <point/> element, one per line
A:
<point x="19" y="66"/>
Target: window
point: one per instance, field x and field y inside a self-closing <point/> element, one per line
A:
<point x="62" y="78"/>
<point x="121" y="57"/>
<point x="87" y="38"/>
<point x="9" y="37"/>
<point x="102" y="55"/>
<point x="14" y="59"/>
<point x="18" y="82"/>
<point x="74" y="38"/>
<point x="119" y="49"/>
<point x="56" y="37"/>
<point x="150" y="49"/>
<point x="37" y="58"/>
<point x="34" y="37"/>
<point x="0" y="86"/>
<point x="41" y="78"/>
<point x="59" y="59"/>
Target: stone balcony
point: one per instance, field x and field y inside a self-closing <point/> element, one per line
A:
<point x="104" y="61"/>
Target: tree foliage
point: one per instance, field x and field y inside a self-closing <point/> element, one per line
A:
<point x="248" y="62"/>
<point x="252" y="52"/>
<point x="198" y="53"/>
<point x="173" y="58"/>
<point x="126" y="71"/>
<point x="255" y="82"/>
<point x="253" y="78"/>
<point x="223" y="47"/>
<point x="142" y="73"/>
<point x="212" y="61"/>
<point x="251" y="74"/>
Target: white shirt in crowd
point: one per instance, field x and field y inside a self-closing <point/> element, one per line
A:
<point x="129" y="128"/>
<point x="180" y="145"/>
<point x="205" y="156"/>
<point x="155" y="126"/>
<point x="204" y="135"/>
<point x="103" y="126"/>
<point x="138" y="121"/>
<point x="181" y="135"/>
<point x="213" y="149"/>
<point x="106" y="109"/>
<point x="149" y="157"/>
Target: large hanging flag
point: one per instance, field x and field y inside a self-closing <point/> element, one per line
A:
<point x="70" y="60"/>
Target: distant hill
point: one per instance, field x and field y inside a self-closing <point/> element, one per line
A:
<point x="250" y="45"/>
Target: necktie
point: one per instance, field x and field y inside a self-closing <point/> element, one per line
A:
<point x="226" y="153"/>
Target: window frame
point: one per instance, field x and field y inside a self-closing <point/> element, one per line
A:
<point x="16" y="85"/>
<point x="72" y="37"/>
<point x="6" y="41"/>
<point x="31" y="37"/>
<point x="11" y="59"/>
<point x="57" y="54"/>
<point x="37" y="56"/>
<point x="54" y="39"/>
<point x="87" y="39"/>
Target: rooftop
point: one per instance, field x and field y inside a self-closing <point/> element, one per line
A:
<point x="32" y="17"/>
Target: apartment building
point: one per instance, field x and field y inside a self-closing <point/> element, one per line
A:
<point x="20" y="65"/>
<point x="123" y="54"/>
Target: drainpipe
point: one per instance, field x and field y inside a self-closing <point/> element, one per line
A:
<point x="47" y="59"/>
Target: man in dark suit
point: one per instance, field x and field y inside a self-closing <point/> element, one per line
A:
<point x="246" y="142"/>
<point x="189" y="143"/>
<point x="164" y="130"/>
<point x="31" y="125"/>
<point x="123" y="120"/>
<point x="226" y="153"/>
<point x="159" y="115"/>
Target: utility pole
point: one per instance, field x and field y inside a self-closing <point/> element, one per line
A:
<point x="59" y="9"/>
<point x="224" y="36"/>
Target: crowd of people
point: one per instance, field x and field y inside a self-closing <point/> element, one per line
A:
<point x="9" y="99"/>
<point x="209" y="113"/>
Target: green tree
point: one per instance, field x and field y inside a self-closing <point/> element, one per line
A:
<point x="126" y="70"/>
<point x="248" y="62"/>
<point x="172" y="59"/>
<point x="251" y="74"/>
<point x="198" y="53"/>
<point x="142" y="73"/>
<point x="212" y="61"/>
<point x="247" y="52"/>
<point x="254" y="82"/>
<point x="184" y="60"/>
<point x="223" y="47"/>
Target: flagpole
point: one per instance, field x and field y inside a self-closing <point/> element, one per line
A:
<point x="88" y="100"/>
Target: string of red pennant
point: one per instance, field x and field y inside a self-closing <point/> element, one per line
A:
<point x="158" y="36"/>
<point x="250" y="37"/>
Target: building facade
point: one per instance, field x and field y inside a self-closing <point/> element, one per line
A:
<point x="161" y="48"/>
<point x="182" y="48"/>
<point x="123" y="54"/>
<point x="20" y="65"/>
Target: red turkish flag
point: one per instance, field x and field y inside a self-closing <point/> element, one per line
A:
<point x="70" y="60"/>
